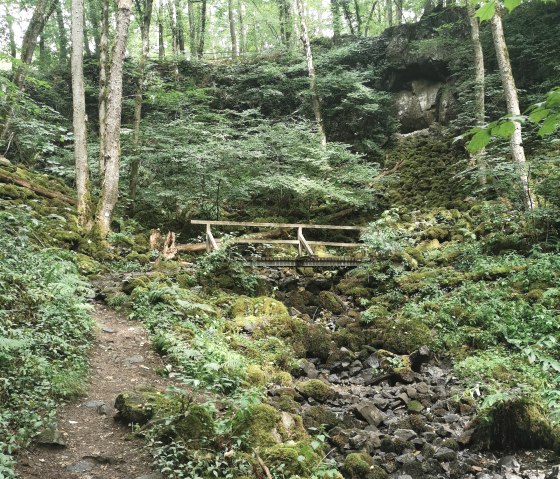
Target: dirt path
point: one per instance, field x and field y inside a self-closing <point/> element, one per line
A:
<point x="97" y="447"/>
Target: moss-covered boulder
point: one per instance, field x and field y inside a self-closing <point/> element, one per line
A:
<point x="360" y="465"/>
<point x="329" y="301"/>
<point x="195" y="426"/>
<point x="402" y="336"/>
<point x="296" y="458"/>
<point x="316" y="389"/>
<point x="317" y="417"/>
<point x="139" y="407"/>
<point x="262" y="306"/>
<point x="317" y="342"/>
<point x="517" y="423"/>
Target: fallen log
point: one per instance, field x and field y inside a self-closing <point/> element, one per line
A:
<point x="15" y="180"/>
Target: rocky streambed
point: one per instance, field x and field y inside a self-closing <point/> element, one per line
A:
<point x="387" y="406"/>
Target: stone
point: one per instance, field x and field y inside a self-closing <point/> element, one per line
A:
<point x="307" y="368"/>
<point x="369" y="412"/>
<point x="94" y="404"/>
<point x="136" y="359"/>
<point x="414" y="406"/>
<point x="51" y="437"/>
<point x="405" y="434"/>
<point x="509" y="463"/>
<point x="107" y="330"/>
<point x="555" y="473"/>
<point x="104" y="410"/>
<point x="445" y="454"/>
<point x="81" y="466"/>
<point x="366" y="440"/>
<point x="155" y="475"/>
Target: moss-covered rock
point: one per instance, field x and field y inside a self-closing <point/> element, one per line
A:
<point x="316" y="389"/>
<point x="297" y="458"/>
<point x="402" y="336"/>
<point x="255" y="375"/>
<point x="317" y="342"/>
<point x="360" y="465"/>
<point x="139" y="407"/>
<point x="194" y="426"/>
<point x="318" y="417"/>
<point x="262" y="306"/>
<point x="517" y="423"/>
<point x="329" y="301"/>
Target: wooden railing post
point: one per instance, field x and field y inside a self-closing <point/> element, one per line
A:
<point x="303" y="242"/>
<point x="208" y="235"/>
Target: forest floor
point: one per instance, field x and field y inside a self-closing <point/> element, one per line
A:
<point x="97" y="446"/>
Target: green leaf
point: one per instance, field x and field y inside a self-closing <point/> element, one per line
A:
<point x="479" y="141"/>
<point x="512" y="4"/>
<point x="504" y="129"/>
<point x="539" y="115"/>
<point x="487" y="11"/>
<point x="550" y="125"/>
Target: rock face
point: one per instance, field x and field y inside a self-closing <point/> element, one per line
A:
<point x="417" y="68"/>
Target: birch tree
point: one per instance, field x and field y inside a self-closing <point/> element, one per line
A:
<point x="512" y="101"/>
<point x="315" y="100"/>
<point x="111" y="148"/>
<point x="79" y="115"/>
<point x="103" y="61"/>
<point x="145" y="13"/>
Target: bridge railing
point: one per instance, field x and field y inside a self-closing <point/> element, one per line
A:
<point x="303" y="244"/>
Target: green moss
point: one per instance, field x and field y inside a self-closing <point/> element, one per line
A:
<point x="88" y="265"/>
<point x="196" y="425"/>
<point x="330" y="302"/>
<point x="316" y="389"/>
<point x="317" y="342"/>
<point x="318" y="417"/>
<point x="402" y="336"/>
<point x="139" y="407"/>
<point x="260" y="426"/>
<point x="255" y="375"/>
<point x="414" y="406"/>
<point x="296" y="458"/>
<point x="140" y="258"/>
<point x="517" y="423"/>
<point x="359" y="465"/>
<point x="185" y="280"/>
<point x="261" y="306"/>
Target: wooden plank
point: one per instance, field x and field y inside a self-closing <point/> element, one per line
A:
<point x="304" y="242"/>
<point x="276" y="225"/>
<point x="210" y="241"/>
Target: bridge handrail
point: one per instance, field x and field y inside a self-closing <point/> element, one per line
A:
<point x="276" y="225"/>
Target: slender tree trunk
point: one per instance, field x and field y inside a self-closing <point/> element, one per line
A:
<point x="389" y="11"/>
<point x="41" y="14"/>
<point x="110" y="187"/>
<point x="358" y="18"/>
<point x="232" y="32"/>
<point x="370" y="17"/>
<point x="202" y="34"/>
<point x="161" y="42"/>
<point x="93" y="11"/>
<point x="180" y="26"/>
<point x="336" y="22"/>
<point x="512" y="101"/>
<point x="348" y="16"/>
<point x="399" y="7"/>
<point x="103" y="62"/>
<point x="479" y="106"/>
<point x="62" y="38"/>
<point x="315" y="100"/>
<point x="10" y="23"/>
<point x="86" y="39"/>
<point x="135" y="163"/>
<point x="193" y="47"/>
<point x="242" y="36"/>
<point x="79" y="116"/>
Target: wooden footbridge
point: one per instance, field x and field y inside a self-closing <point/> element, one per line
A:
<point x="306" y="254"/>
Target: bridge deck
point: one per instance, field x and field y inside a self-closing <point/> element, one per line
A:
<point x="307" y="262"/>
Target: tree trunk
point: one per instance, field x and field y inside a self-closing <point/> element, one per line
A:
<point x="10" y="23"/>
<point x="512" y="101"/>
<point x="79" y="116"/>
<point x="242" y="36"/>
<point x="358" y="18"/>
<point x="336" y="22"/>
<point x="62" y="38"/>
<point x="348" y="16"/>
<point x="479" y="107"/>
<point x="161" y="44"/>
<point x="315" y="100"/>
<point x="111" y="151"/>
<point x="135" y="163"/>
<point x="103" y="62"/>
<point x="180" y="26"/>
<point x="389" y="5"/>
<point x="399" y="7"/>
<point x="173" y="25"/>
<point x="370" y="17"/>
<point x="232" y="32"/>
<point x="41" y="14"/>
<point x="193" y="48"/>
<point x="202" y="34"/>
